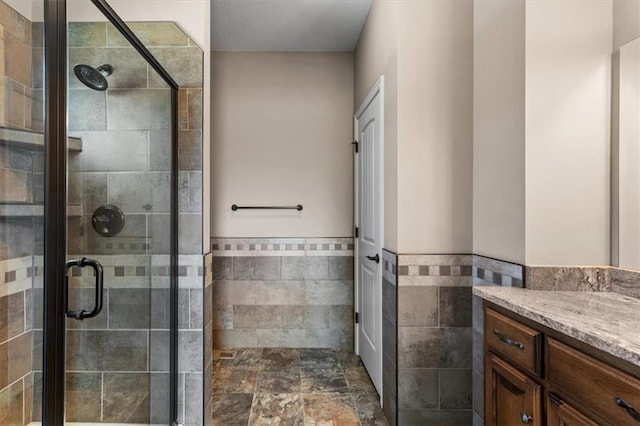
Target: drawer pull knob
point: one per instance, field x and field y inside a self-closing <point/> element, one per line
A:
<point x="525" y="418"/>
<point x="508" y="341"/>
<point x="632" y="411"/>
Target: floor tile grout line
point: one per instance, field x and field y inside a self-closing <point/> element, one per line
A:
<point x="353" y="396"/>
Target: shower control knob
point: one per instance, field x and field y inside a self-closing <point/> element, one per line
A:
<point x="108" y="220"/>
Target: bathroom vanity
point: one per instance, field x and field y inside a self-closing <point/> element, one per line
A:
<point x="560" y="358"/>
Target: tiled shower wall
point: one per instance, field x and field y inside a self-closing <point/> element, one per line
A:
<point x="125" y="161"/>
<point x="126" y="139"/>
<point x="17" y="92"/>
<point x="20" y="237"/>
<point x="434" y="339"/>
<point x="207" y="382"/>
<point x="15" y="340"/>
<point x="118" y="362"/>
<point x="283" y="292"/>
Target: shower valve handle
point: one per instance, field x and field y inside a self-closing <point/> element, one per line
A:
<point x="97" y="267"/>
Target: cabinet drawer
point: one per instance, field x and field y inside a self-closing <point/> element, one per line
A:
<point x="516" y="342"/>
<point x="603" y="389"/>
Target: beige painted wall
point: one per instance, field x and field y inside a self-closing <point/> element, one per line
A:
<point x="568" y="81"/>
<point x="542" y="131"/>
<point x="625" y="228"/>
<point x="435" y="133"/>
<point x="282" y="126"/>
<point x="424" y="49"/>
<point x="376" y="55"/>
<point x="499" y="132"/>
<point x="626" y="163"/>
<point x="626" y="21"/>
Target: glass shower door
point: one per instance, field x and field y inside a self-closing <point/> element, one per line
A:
<point x="121" y="200"/>
<point x="88" y="220"/>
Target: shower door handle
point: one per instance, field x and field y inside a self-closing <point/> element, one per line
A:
<point x="97" y="307"/>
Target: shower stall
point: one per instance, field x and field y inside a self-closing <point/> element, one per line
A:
<point x="101" y="269"/>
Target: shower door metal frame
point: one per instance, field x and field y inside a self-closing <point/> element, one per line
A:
<point x="55" y="219"/>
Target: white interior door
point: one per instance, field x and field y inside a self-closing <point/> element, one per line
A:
<point x="369" y="210"/>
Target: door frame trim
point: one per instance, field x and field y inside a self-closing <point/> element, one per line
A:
<point x="376" y="90"/>
<point x="55" y="218"/>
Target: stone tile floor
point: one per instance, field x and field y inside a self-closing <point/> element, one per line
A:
<point x="290" y="387"/>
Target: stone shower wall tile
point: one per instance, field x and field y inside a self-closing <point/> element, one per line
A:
<point x="16" y="70"/>
<point x="282" y="292"/>
<point x="15" y="340"/>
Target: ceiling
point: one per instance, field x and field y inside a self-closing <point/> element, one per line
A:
<point x="287" y="25"/>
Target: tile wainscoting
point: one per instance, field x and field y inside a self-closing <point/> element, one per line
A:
<point x="390" y="336"/>
<point x="432" y="325"/>
<point x="283" y="292"/>
<point x="434" y="339"/>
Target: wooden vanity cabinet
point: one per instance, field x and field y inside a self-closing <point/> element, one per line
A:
<point x="512" y="398"/>
<point x="536" y="376"/>
<point x="560" y="413"/>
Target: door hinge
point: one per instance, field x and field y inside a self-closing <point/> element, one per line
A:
<point x="357" y="232"/>
<point x="355" y="145"/>
<point x="357" y="318"/>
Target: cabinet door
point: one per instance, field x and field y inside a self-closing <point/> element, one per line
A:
<point x="511" y="398"/>
<point x="563" y="414"/>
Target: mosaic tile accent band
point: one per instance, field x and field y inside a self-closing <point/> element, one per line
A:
<point x="488" y="271"/>
<point x="282" y="246"/>
<point x="434" y="270"/>
<point x="16" y="274"/>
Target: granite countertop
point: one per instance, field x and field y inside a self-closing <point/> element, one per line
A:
<point x="607" y="321"/>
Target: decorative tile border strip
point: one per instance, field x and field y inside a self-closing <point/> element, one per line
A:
<point x="488" y="271"/>
<point x="232" y="247"/>
<point x="118" y="245"/>
<point x="435" y="270"/>
<point x="120" y="271"/>
<point x="17" y="274"/>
